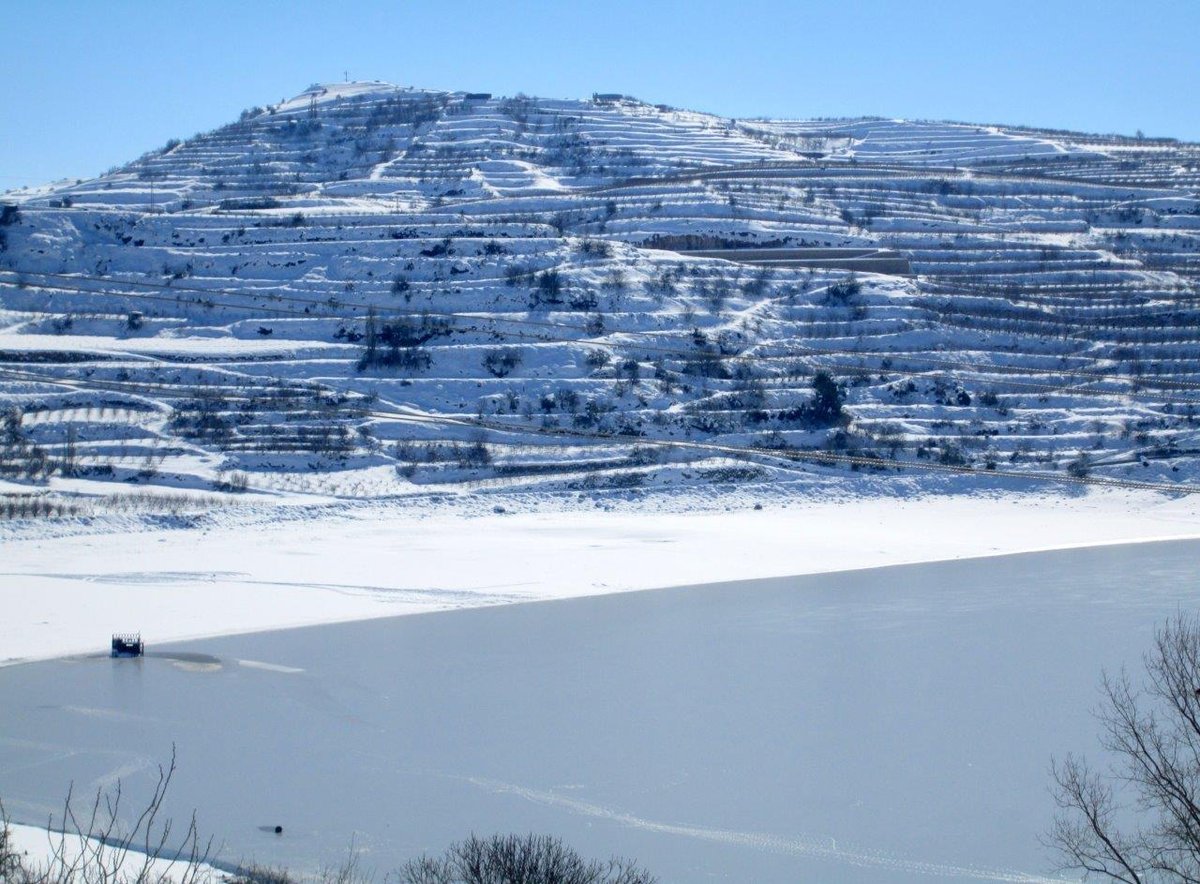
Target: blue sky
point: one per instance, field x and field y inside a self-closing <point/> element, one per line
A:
<point x="90" y="85"/>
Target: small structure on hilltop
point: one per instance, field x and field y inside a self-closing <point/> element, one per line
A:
<point x="128" y="645"/>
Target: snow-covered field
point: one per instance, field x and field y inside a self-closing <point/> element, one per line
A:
<point x="64" y="589"/>
<point x="374" y="291"/>
<point x="866" y="726"/>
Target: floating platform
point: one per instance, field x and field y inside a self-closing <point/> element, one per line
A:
<point x="128" y="645"/>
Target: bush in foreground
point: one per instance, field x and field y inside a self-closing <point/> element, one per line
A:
<point x="89" y="850"/>
<point x="516" y="859"/>
<point x="89" y="844"/>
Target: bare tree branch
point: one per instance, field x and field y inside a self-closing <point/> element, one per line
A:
<point x="1153" y="733"/>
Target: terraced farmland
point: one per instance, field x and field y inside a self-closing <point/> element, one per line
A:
<point x="373" y="291"/>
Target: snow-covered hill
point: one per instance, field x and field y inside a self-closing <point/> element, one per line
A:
<point x="375" y="291"/>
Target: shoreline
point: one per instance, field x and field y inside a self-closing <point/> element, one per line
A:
<point x="65" y="594"/>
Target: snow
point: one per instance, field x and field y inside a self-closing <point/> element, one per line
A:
<point x="1054" y="278"/>
<point x="214" y="347"/>
<point x="36" y="847"/>
<point x="280" y="567"/>
<point x="1034" y="253"/>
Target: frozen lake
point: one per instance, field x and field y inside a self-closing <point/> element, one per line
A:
<point x="884" y="725"/>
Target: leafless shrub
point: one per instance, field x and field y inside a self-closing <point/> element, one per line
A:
<point x="501" y="361"/>
<point x="259" y="874"/>
<point x="92" y="844"/>
<point x="516" y="859"/>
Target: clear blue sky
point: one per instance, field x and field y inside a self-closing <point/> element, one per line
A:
<point x="89" y="85"/>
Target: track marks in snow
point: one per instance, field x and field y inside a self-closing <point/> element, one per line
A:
<point x="105" y="714"/>
<point x="801" y="845"/>
<point x="141" y="577"/>
<point x="451" y="598"/>
<point x="122" y="772"/>
<point x="269" y="667"/>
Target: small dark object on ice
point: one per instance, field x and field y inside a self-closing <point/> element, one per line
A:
<point x="128" y="645"/>
<point x="279" y="830"/>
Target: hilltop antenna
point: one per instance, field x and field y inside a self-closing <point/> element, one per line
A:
<point x="346" y="74"/>
<point x="312" y="105"/>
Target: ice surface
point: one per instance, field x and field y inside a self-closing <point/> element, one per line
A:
<point x="866" y="726"/>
